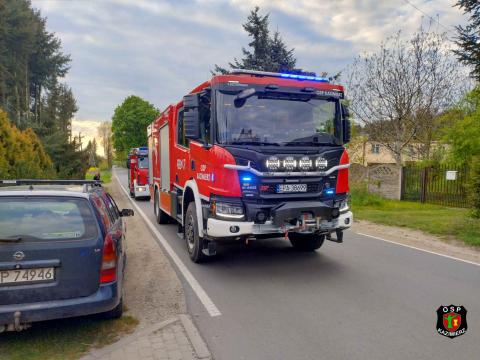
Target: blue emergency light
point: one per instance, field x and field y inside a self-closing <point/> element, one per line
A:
<point x="304" y="77"/>
<point x="246" y="178"/>
<point x="298" y="76"/>
<point x="330" y="191"/>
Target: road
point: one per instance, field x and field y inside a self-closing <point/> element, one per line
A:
<point x="363" y="299"/>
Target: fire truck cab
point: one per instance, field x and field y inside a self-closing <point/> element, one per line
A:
<point x="252" y="155"/>
<point x="138" y="165"/>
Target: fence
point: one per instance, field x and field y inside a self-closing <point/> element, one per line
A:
<point x="439" y="184"/>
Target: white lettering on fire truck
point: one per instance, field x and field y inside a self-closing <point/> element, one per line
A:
<point x="205" y="176"/>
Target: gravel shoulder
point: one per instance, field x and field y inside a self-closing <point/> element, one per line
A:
<point x="418" y="239"/>
<point x="153" y="291"/>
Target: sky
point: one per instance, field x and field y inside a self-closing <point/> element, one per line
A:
<point x="160" y="50"/>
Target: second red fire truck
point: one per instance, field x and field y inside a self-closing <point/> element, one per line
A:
<point x="138" y="172"/>
<point x="252" y="155"/>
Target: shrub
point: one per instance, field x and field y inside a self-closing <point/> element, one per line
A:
<point x="474" y="186"/>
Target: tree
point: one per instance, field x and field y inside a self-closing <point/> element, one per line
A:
<point x="31" y="64"/>
<point x="30" y="61"/>
<point x="104" y="131"/>
<point x="399" y="91"/>
<point x="21" y="153"/>
<point x="129" y="124"/>
<point x="91" y="150"/>
<point x="266" y="53"/>
<point x="468" y="37"/>
<point x="460" y="128"/>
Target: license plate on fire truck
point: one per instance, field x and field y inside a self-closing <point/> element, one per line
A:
<point x="291" y="188"/>
<point x="26" y="275"/>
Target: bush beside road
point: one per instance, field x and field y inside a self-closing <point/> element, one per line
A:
<point x="448" y="223"/>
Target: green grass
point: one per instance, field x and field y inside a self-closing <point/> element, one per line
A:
<point x="105" y="176"/>
<point x="437" y="220"/>
<point x="63" y="339"/>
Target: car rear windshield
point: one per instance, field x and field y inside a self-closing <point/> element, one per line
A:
<point x="46" y="219"/>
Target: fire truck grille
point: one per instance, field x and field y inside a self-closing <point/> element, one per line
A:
<point x="272" y="188"/>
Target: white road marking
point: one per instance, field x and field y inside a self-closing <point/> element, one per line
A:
<point x="194" y="284"/>
<point x="420" y="249"/>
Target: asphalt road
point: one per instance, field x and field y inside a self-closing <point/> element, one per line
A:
<point x="363" y="299"/>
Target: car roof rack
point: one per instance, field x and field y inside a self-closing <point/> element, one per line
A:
<point x="86" y="183"/>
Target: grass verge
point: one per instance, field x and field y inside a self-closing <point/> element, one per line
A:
<point x="63" y="339"/>
<point x="437" y="220"/>
<point x="105" y="175"/>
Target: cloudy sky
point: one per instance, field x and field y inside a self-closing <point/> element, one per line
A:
<point x="160" y="50"/>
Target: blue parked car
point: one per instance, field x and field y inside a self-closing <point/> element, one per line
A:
<point x="62" y="251"/>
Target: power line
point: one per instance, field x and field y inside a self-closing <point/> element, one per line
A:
<point x="437" y="20"/>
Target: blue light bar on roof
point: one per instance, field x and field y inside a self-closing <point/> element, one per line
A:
<point x="300" y="76"/>
<point x="304" y="77"/>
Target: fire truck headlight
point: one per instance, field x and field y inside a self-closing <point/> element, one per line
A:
<point x="305" y="163"/>
<point x="289" y="163"/>
<point x="229" y="211"/>
<point x="272" y="163"/>
<point x="321" y="163"/>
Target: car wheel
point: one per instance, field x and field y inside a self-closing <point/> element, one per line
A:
<point x="193" y="240"/>
<point x="160" y="215"/>
<point x="115" y="313"/>
<point x="306" y="242"/>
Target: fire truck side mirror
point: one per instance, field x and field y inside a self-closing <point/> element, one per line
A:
<point x="190" y="101"/>
<point x="347" y="130"/>
<point x="345" y="111"/>
<point x="128" y="163"/>
<point x="347" y="125"/>
<point x="191" y="120"/>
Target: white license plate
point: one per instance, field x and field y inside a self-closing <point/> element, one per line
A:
<point x="289" y="188"/>
<point x="26" y="275"/>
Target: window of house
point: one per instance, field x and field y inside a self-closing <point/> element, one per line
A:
<point x="375" y="148"/>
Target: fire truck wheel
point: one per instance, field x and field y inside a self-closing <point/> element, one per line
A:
<point x="160" y="215"/>
<point x="306" y="242"/>
<point x="194" y="242"/>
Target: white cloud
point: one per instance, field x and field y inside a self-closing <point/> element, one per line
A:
<point x="160" y="50"/>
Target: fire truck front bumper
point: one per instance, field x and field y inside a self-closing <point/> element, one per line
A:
<point x="142" y="191"/>
<point x="217" y="228"/>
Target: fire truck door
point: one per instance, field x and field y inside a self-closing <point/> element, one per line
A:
<point x="164" y="159"/>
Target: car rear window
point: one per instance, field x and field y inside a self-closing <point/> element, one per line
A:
<point x="46" y="219"/>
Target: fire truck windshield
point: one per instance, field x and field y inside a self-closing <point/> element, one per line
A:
<point x="143" y="163"/>
<point x="276" y="119"/>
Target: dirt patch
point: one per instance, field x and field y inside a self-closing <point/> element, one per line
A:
<point x="153" y="292"/>
<point x="418" y="239"/>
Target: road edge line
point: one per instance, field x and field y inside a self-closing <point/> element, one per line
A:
<point x="188" y="276"/>
<point x="420" y="249"/>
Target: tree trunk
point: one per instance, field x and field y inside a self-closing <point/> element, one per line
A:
<point x="27" y="93"/>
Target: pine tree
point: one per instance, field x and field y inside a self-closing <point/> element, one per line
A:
<point x="468" y="38"/>
<point x="265" y="53"/>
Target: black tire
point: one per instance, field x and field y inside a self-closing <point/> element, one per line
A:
<point x="160" y="215"/>
<point x="306" y="242"/>
<point x="115" y="313"/>
<point x="193" y="240"/>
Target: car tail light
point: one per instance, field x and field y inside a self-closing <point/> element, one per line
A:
<point x="342" y="178"/>
<point x="108" y="272"/>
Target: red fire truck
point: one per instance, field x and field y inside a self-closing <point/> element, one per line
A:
<point x="252" y="155"/>
<point x="138" y="173"/>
